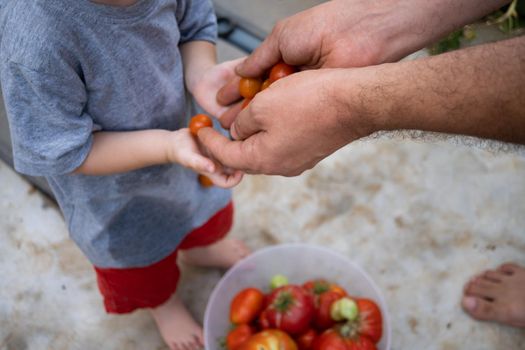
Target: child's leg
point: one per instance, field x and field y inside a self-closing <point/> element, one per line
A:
<point x="207" y="247"/>
<point x="153" y="287"/>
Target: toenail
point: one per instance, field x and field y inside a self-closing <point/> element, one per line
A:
<point x="470" y="303"/>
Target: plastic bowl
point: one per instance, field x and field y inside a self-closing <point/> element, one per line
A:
<point x="298" y="262"/>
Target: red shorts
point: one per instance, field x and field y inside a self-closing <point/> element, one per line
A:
<point x="125" y="290"/>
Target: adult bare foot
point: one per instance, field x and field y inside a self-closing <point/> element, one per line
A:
<point x="497" y="295"/>
<point x="178" y="329"/>
<point x="224" y="254"/>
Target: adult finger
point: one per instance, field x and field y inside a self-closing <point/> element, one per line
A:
<point x="232" y="154"/>
<point x="229" y="93"/>
<point x="227" y="118"/>
<point x="245" y="125"/>
<point x="264" y="57"/>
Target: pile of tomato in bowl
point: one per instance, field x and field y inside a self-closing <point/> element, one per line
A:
<point x="296" y="296"/>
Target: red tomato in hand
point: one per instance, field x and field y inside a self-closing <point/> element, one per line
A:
<point x="341" y="338"/>
<point x="238" y="336"/>
<point x="323" y="320"/>
<point x="249" y="87"/>
<point x="290" y="309"/>
<point x="205" y="181"/>
<point x="198" y="122"/>
<point x="281" y="70"/>
<point x="246" y="306"/>
<point x="370" y="321"/>
<point x="306" y="340"/>
<point x="271" y="339"/>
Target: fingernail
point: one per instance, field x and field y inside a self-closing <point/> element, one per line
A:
<point x="469" y="303"/>
<point x="210" y="168"/>
<point x="233" y="133"/>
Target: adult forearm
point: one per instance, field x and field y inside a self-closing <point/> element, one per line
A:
<point x="478" y="91"/>
<point x="412" y="25"/>
<point x="118" y="152"/>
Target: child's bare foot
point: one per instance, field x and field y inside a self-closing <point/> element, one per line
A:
<point x="224" y="254"/>
<point x="497" y="295"/>
<point x="178" y="329"/>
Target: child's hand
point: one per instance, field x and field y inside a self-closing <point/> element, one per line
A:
<point x="210" y="82"/>
<point x="184" y="150"/>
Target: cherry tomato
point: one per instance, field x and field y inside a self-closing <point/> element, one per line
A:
<point x="266" y="84"/>
<point x="249" y="87"/>
<point x="290" y="308"/>
<point x="323" y="319"/>
<point x="281" y="70"/>
<point x="246" y="102"/>
<point x="205" y="181"/>
<point x="238" y="336"/>
<point x="246" y="306"/>
<point x="271" y="339"/>
<point x="198" y="122"/>
<point x="306" y="340"/>
<point x="370" y="321"/>
<point x="342" y="338"/>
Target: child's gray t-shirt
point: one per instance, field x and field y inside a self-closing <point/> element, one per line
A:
<point x="70" y="67"/>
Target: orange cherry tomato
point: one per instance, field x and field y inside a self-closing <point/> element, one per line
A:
<point x="271" y="339"/>
<point x="246" y="306"/>
<point x="205" y="181"/>
<point x="266" y="84"/>
<point x="249" y="87"/>
<point x="238" y="336"/>
<point x="198" y="122"/>
<point x="281" y="70"/>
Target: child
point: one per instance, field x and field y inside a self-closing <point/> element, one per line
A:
<point x="95" y="97"/>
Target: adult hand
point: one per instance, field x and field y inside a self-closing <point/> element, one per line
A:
<point x="354" y="33"/>
<point x="301" y="119"/>
<point x="290" y="126"/>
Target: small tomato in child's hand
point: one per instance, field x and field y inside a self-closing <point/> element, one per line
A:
<point x="205" y="181"/>
<point x="249" y="87"/>
<point x="246" y="306"/>
<point x="281" y="70"/>
<point x="198" y="122"/>
<point x="238" y="336"/>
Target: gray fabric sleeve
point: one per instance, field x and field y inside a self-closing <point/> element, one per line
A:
<point x="197" y="21"/>
<point x="51" y="133"/>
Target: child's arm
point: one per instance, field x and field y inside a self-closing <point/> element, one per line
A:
<point x="197" y="57"/>
<point x="118" y="152"/>
<point x="204" y="78"/>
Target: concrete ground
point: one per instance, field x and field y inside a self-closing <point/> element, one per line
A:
<point x="420" y="213"/>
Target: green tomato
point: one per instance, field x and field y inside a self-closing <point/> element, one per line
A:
<point x="278" y="281"/>
<point x="344" y="309"/>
